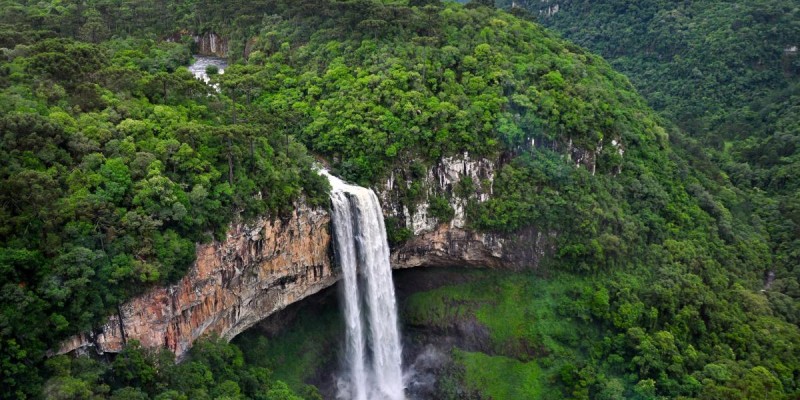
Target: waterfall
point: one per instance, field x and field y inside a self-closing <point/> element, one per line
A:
<point x="372" y="341"/>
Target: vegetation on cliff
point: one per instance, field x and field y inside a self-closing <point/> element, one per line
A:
<point x="683" y="260"/>
<point x="728" y="74"/>
<point x="116" y="161"/>
<point x="214" y="369"/>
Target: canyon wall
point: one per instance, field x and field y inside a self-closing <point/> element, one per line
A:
<point x="211" y="44"/>
<point x="207" y="44"/>
<point x="451" y="243"/>
<point x="259" y="269"/>
<point x="264" y="266"/>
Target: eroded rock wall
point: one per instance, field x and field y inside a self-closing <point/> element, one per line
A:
<point x="259" y="269"/>
<point x="211" y="44"/>
<point x="262" y="267"/>
<point x="441" y="179"/>
<point x="207" y="44"/>
<point x="448" y="246"/>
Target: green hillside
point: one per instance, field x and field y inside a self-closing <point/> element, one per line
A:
<point x="728" y="74"/>
<point x="116" y="161"/>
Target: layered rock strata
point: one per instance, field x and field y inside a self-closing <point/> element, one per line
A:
<point x="449" y="246"/>
<point x="259" y="269"/>
<point x="263" y="267"/>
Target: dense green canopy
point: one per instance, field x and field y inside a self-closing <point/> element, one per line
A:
<point x="727" y="73"/>
<point x="116" y="162"/>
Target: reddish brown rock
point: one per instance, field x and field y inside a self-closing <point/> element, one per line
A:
<point x="259" y="269"/>
<point x="263" y="267"/>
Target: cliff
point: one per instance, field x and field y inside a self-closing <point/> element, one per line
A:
<point x="451" y="243"/>
<point x="259" y="268"/>
<point x="265" y="266"/>
<point x="206" y="44"/>
<point x="211" y="44"/>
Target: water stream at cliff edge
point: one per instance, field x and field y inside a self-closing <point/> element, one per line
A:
<point x="372" y="341"/>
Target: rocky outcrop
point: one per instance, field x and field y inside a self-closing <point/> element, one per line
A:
<point x="441" y="179"/>
<point x="264" y="266"/>
<point x="449" y="246"/>
<point x="451" y="243"/>
<point x="259" y="269"/>
<point x="211" y="44"/>
<point x="546" y="8"/>
<point x="207" y="44"/>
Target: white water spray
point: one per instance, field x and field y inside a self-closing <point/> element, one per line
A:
<point x="372" y="340"/>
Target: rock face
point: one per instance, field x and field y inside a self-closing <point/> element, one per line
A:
<point x="263" y="267"/>
<point x="208" y="44"/>
<point x="211" y="44"/>
<point x="440" y="180"/>
<point x="448" y="246"/>
<point x="452" y="243"/>
<point x="257" y="270"/>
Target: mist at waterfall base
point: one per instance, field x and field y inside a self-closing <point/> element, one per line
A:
<point x="200" y="63"/>
<point x="372" y="341"/>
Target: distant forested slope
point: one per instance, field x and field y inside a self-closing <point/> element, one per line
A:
<point x="728" y="74"/>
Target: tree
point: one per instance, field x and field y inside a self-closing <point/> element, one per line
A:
<point x="95" y="29"/>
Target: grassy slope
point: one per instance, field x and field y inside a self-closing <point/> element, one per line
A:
<point x="520" y="310"/>
<point x="530" y="333"/>
<point x="548" y="337"/>
<point x="500" y="377"/>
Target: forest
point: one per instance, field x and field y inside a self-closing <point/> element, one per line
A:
<point x="727" y="74"/>
<point x="116" y="162"/>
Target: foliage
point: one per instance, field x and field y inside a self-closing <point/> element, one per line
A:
<point x="440" y="208"/>
<point x="612" y="336"/>
<point x="212" y="70"/>
<point x="214" y="369"/>
<point x="396" y="232"/>
<point x="702" y="62"/>
<point x="498" y="377"/>
<point x="439" y="80"/>
<point x="309" y="342"/>
<point x="727" y="74"/>
<point x="116" y="162"/>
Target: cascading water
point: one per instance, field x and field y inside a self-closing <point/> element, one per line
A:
<point x="372" y="342"/>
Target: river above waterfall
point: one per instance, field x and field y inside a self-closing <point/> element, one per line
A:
<point x="198" y="67"/>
